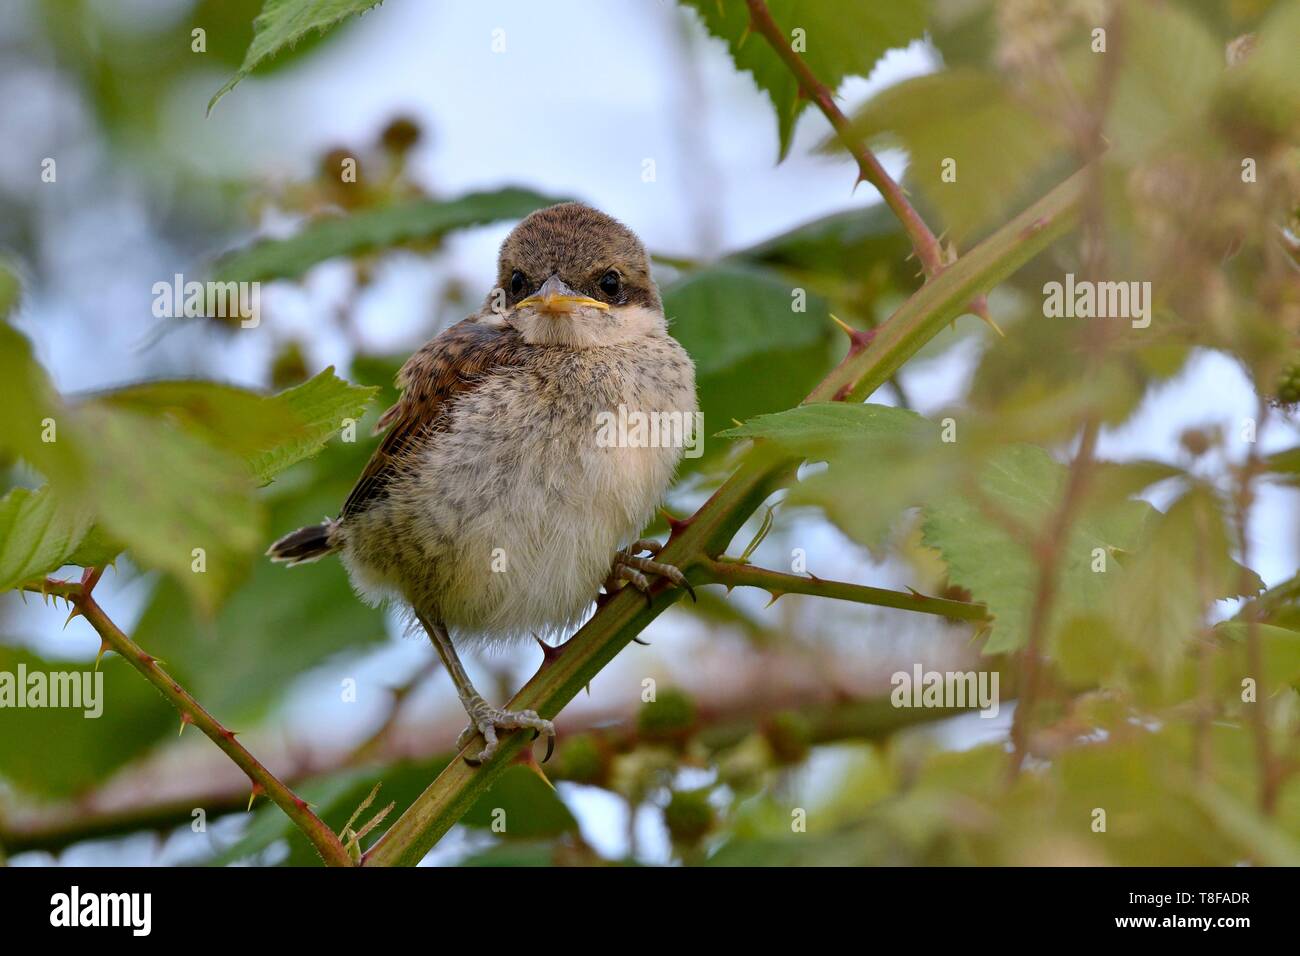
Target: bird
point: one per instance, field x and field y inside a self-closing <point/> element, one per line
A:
<point x="494" y="508"/>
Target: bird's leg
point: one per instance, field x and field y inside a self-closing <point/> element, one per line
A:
<point x="483" y="717"/>
<point x="633" y="570"/>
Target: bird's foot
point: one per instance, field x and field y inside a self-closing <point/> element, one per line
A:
<point x="630" y="568"/>
<point x="487" y="720"/>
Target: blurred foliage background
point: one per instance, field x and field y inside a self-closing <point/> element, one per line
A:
<point x="771" y="738"/>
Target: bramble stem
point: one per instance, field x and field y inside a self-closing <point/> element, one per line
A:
<point x="777" y="583"/>
<point x="192" y="712"/>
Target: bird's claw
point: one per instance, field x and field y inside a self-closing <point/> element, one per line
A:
<point x="633" y="569"/>
<point x="487" y="720"/>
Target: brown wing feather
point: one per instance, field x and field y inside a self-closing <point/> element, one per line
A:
<point x="449" y="365"/>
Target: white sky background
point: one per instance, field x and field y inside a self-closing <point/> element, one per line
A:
<point x="584" y="92"/>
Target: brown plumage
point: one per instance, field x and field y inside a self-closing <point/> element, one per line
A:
<point x="494" y="505"/>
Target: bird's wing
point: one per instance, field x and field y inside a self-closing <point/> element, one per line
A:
<point x="447" y="366"/>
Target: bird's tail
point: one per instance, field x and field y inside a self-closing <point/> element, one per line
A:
<point x="306" y="544"/>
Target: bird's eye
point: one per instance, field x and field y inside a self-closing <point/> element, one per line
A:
<point x="610" y="284"/>
<point x="517" y="282"/>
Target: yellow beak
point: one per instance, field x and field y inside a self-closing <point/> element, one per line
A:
<point x="557" y="298"/>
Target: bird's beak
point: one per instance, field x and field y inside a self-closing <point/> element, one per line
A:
<point x="557" y="298"/>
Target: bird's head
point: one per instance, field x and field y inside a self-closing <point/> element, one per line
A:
<point x="572" y="276"/>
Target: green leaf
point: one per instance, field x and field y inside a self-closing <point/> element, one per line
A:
<point x="967" y="116"/>
<point x="852" y="244"/>
<point x="165" y="493"/>
<point x="1265" y="840"/>
<point x="830" y="429"/>
<point x="380" y="228"/>
<point x="1280" y="648"/>
<point x="839" y="38"/>
<point x="38" y="534"/>
<point x="1170" y="68"/>
<point x="282" y="23"/>
<point x="523" y="803"/>
<point x="1187" y="560"/>
<point x="57" y="751"/>
<point x="321" y="406"/>
<point x="882" y="461"/>
<point x="34" y="425"/>
<point x="281" y="622"/>
<point x="739" y="326"/>
<point x="1026" y="484"/>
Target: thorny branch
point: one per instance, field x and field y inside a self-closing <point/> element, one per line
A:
<point x="80" y="596"/>
<point x="927" y="247"/>
<point x="733" y="574"/>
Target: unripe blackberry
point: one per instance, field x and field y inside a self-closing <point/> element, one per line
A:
<point x="581" y="761"/>
<point x="689" y="817"/>
<point x="789" y="734"/>
<point x="670" y="715"/>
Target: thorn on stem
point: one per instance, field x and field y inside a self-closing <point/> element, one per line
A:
<point x="550" y="652"/>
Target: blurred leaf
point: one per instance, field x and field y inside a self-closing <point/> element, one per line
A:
<point x="274" y="629"/>
<point x="840" y="38"/>
<point x="1026" y="484"/>
<point x="379" y="228"/>
<point x="970" y="117"/>
<point x="37" y="534"/>
<point x="282" y="23"/>
<point x="1264" y="90"/>
<point x="1280" y="652"/>
<point x="57" y="751"/>
<point x="525" y="806"/>
<point x="1037" y="385"/>
<point x="514" y="853"/>
<point x="882" y="460"/>
<point x="33" y="411"/>
<point x="1265" y="840"/>
<point x="861" y="246"/>
<point x="164" y="493"/>
<point x="1167" y="76"/>
<point x="235" y="419"/>
<point x="223" y="518"/>
<point x="740" y="327"/>
<point x="1158" y="606"/>
<point x="10" y="289"/>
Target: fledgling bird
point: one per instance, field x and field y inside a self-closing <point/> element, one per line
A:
<point x="490" y="507"/>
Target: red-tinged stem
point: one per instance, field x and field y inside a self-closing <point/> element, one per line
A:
<point x="928" y="249"/>
<point x="327" y="844"/>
